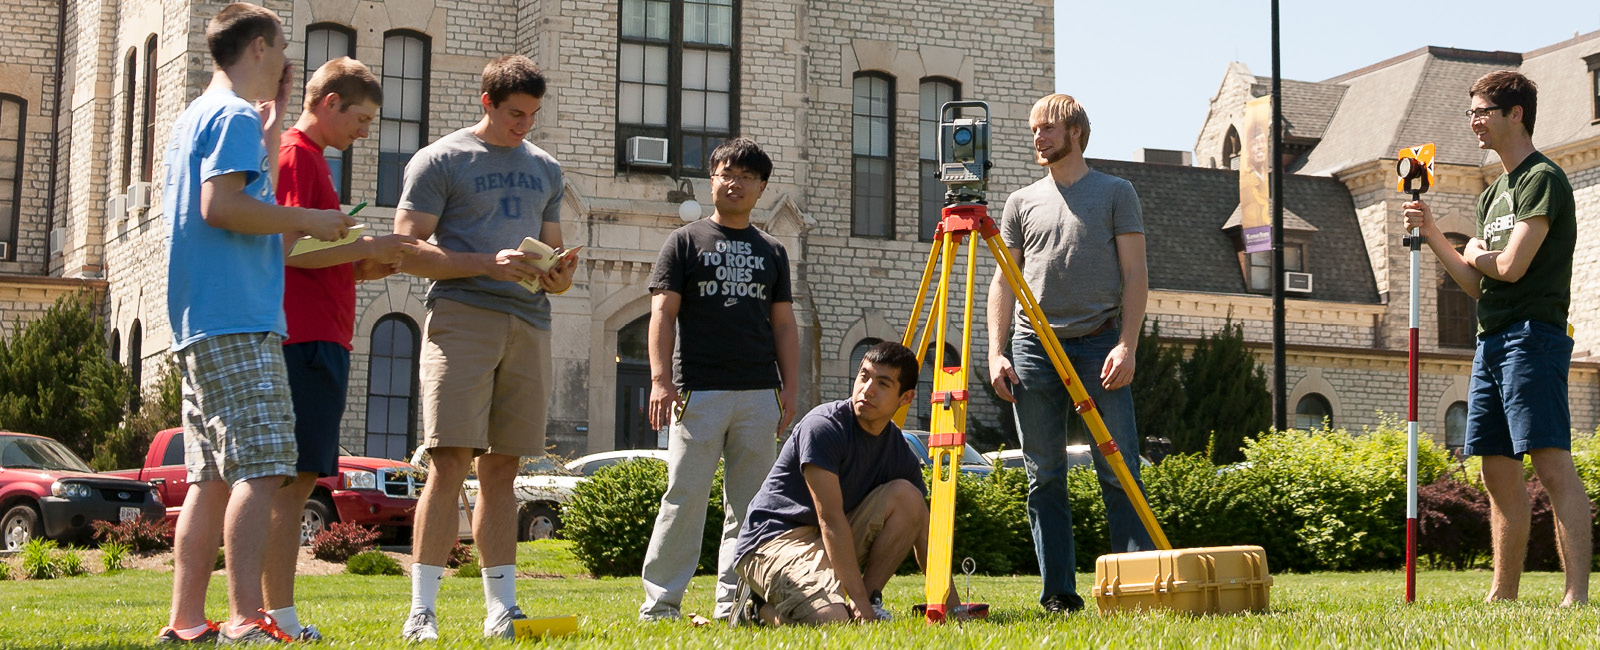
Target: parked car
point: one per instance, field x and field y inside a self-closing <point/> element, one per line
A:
<point x="544" y="485"/>
<point x="47" y="491"/>
<point x="972" y="463"/>
<point x="1077" y="456"/>
<point x="368" y="491"/>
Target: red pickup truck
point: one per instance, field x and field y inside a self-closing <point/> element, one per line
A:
<point x="368" y="491"/>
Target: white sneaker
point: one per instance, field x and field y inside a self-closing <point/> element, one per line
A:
<point x="501" y="626"/>
<point x="422" y="625"/>
<point x="878" y="609"/>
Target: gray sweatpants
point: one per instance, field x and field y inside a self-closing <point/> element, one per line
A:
<point x="739" y="427"/>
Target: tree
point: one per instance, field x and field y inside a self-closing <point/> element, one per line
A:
<point x="57" y="381"/>
<point x="126" y="446"/>
<point x="1158" y="394"/>
<point x="1228" y="397"/>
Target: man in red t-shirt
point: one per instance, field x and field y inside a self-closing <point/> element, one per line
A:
<point x="319" y="301"/>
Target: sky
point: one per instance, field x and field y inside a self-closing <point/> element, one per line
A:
<point x="1146" y="70"/>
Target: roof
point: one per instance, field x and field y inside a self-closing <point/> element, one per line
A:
<point x="1188" y="251"/>
<point x="1566" y="108"/>
<point x="1307" y="106"/>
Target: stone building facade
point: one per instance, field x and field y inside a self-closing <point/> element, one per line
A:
<point x="837" y="93"/>
<point x="1350" y="128"/>
<point x="793" y="71"/>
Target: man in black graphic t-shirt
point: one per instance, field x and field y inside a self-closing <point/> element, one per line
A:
<point x="720" y="310"/>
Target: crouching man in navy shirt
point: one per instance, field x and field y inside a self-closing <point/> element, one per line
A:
<point x="841" y="508"/>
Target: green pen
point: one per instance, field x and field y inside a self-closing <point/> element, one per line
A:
<point x="358" y="208"/>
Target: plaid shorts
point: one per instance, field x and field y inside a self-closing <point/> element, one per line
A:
<point x="238" y="420"/>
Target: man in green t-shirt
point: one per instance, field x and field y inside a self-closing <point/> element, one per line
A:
<point x="1519" y="267"/>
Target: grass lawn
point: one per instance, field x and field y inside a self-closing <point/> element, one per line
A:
<point x="1327" y="610"/>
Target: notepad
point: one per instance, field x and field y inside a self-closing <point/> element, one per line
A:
<point x="309" y="244"/>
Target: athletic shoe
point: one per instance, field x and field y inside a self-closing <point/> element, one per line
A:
<point x="877" y="606"/>
<point x="170" y="635"/>
<point x="261" y="630"/>
<point x="1063" y="604"/>
<point x="746" y="607"/>
<point x="422" y="625"/>
<point x="502" y="626"/>
<point x="308" y="633"/>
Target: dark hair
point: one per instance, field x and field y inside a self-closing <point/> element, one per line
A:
<point x="899" y="357"/>
<point x="1506" y="89"/>
<point x="511" y="74"/>
<point x="349" y="79"/>
<point x="744" y="154"/>
<point x="235" y="27"/>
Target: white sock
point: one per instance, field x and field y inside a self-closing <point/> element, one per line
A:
<point x="193" y="631"/>
<point x="287" y="620"/>
<point x="425" y="579"/>
<point x="499" y="589"/>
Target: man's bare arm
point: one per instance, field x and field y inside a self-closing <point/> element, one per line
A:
<point x="837" y="541"/>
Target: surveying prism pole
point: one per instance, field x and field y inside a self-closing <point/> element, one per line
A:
<point x="1415" y="169"/>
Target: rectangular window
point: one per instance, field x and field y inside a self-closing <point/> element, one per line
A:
<point x="934" y="93"/>
<point x="325" y="43"/>
<point x="872" y="205"/>
<point x="677" y="78"/>
<point x="13" y="123"/>
<point x="1261" y="265"/>
<point x="402" y="124"/>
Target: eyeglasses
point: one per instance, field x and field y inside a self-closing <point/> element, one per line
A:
<point x="1480" y="113"/>
<point x="742" y="179"/>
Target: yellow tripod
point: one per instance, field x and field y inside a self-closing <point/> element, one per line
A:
<point x="948" y="425"/>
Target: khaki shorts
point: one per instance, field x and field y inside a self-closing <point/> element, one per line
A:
<point x="792" y="571"/>
<point x="485" y="380"/>
<point x="238" y="420"/>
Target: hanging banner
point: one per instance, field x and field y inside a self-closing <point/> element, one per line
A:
<point x="1254" y="168"/>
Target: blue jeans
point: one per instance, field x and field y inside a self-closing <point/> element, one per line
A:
<point x="1043" y="409"/>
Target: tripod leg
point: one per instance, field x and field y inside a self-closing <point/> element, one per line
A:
<point x="947" y="425"/>
<point x="1080" y="397"/>
<point x="921" y="347"/>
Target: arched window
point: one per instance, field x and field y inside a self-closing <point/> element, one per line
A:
<point x="136" y="364"/>
<point x="1458" y="312"/>
<point x="1455" y="426"/>
<point x="392" y="387"/>
<point x="633" y="387"/>
<point x="13" y="124"/>
<point x="326" y="42"/>
<point x="934" y="92"/>
<point x="147" y="154"/>
<point x="1231" y="148"/>
<point x="920" y="415"/>
<point x="114" y="345"/>
<point x="130" y="69"/>
<point x="1313" y="412"/>
<point x="872" y="192"/>
<point x="403" y="123"/>
<point x="857" y="354"/>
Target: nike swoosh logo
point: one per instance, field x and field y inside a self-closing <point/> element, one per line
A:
<point x="731" y="302"/>
<point x="493" y="577"/>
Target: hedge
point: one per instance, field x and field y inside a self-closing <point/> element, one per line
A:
<point x="1315" y="500"/>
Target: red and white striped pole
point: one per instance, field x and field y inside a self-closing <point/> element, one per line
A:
<point x="1414" y="242"/>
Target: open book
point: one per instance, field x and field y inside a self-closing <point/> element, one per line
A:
<point x="547" y="258"/>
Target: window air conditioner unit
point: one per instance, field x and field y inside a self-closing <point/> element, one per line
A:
<point x="138" y="197"/>
<point x="58" y="240"/>
<point x="1296" y="282"/>
<point x="116" y="207"/>
<point x="647" y="151"/>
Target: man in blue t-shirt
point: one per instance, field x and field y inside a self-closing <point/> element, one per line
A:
<point x="842" y="506"/>
<point x="225" y="303"/>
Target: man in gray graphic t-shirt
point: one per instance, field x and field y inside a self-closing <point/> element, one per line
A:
<point x="474" y="195"/>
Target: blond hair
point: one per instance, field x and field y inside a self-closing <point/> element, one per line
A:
<point x="1064" y="110"/>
